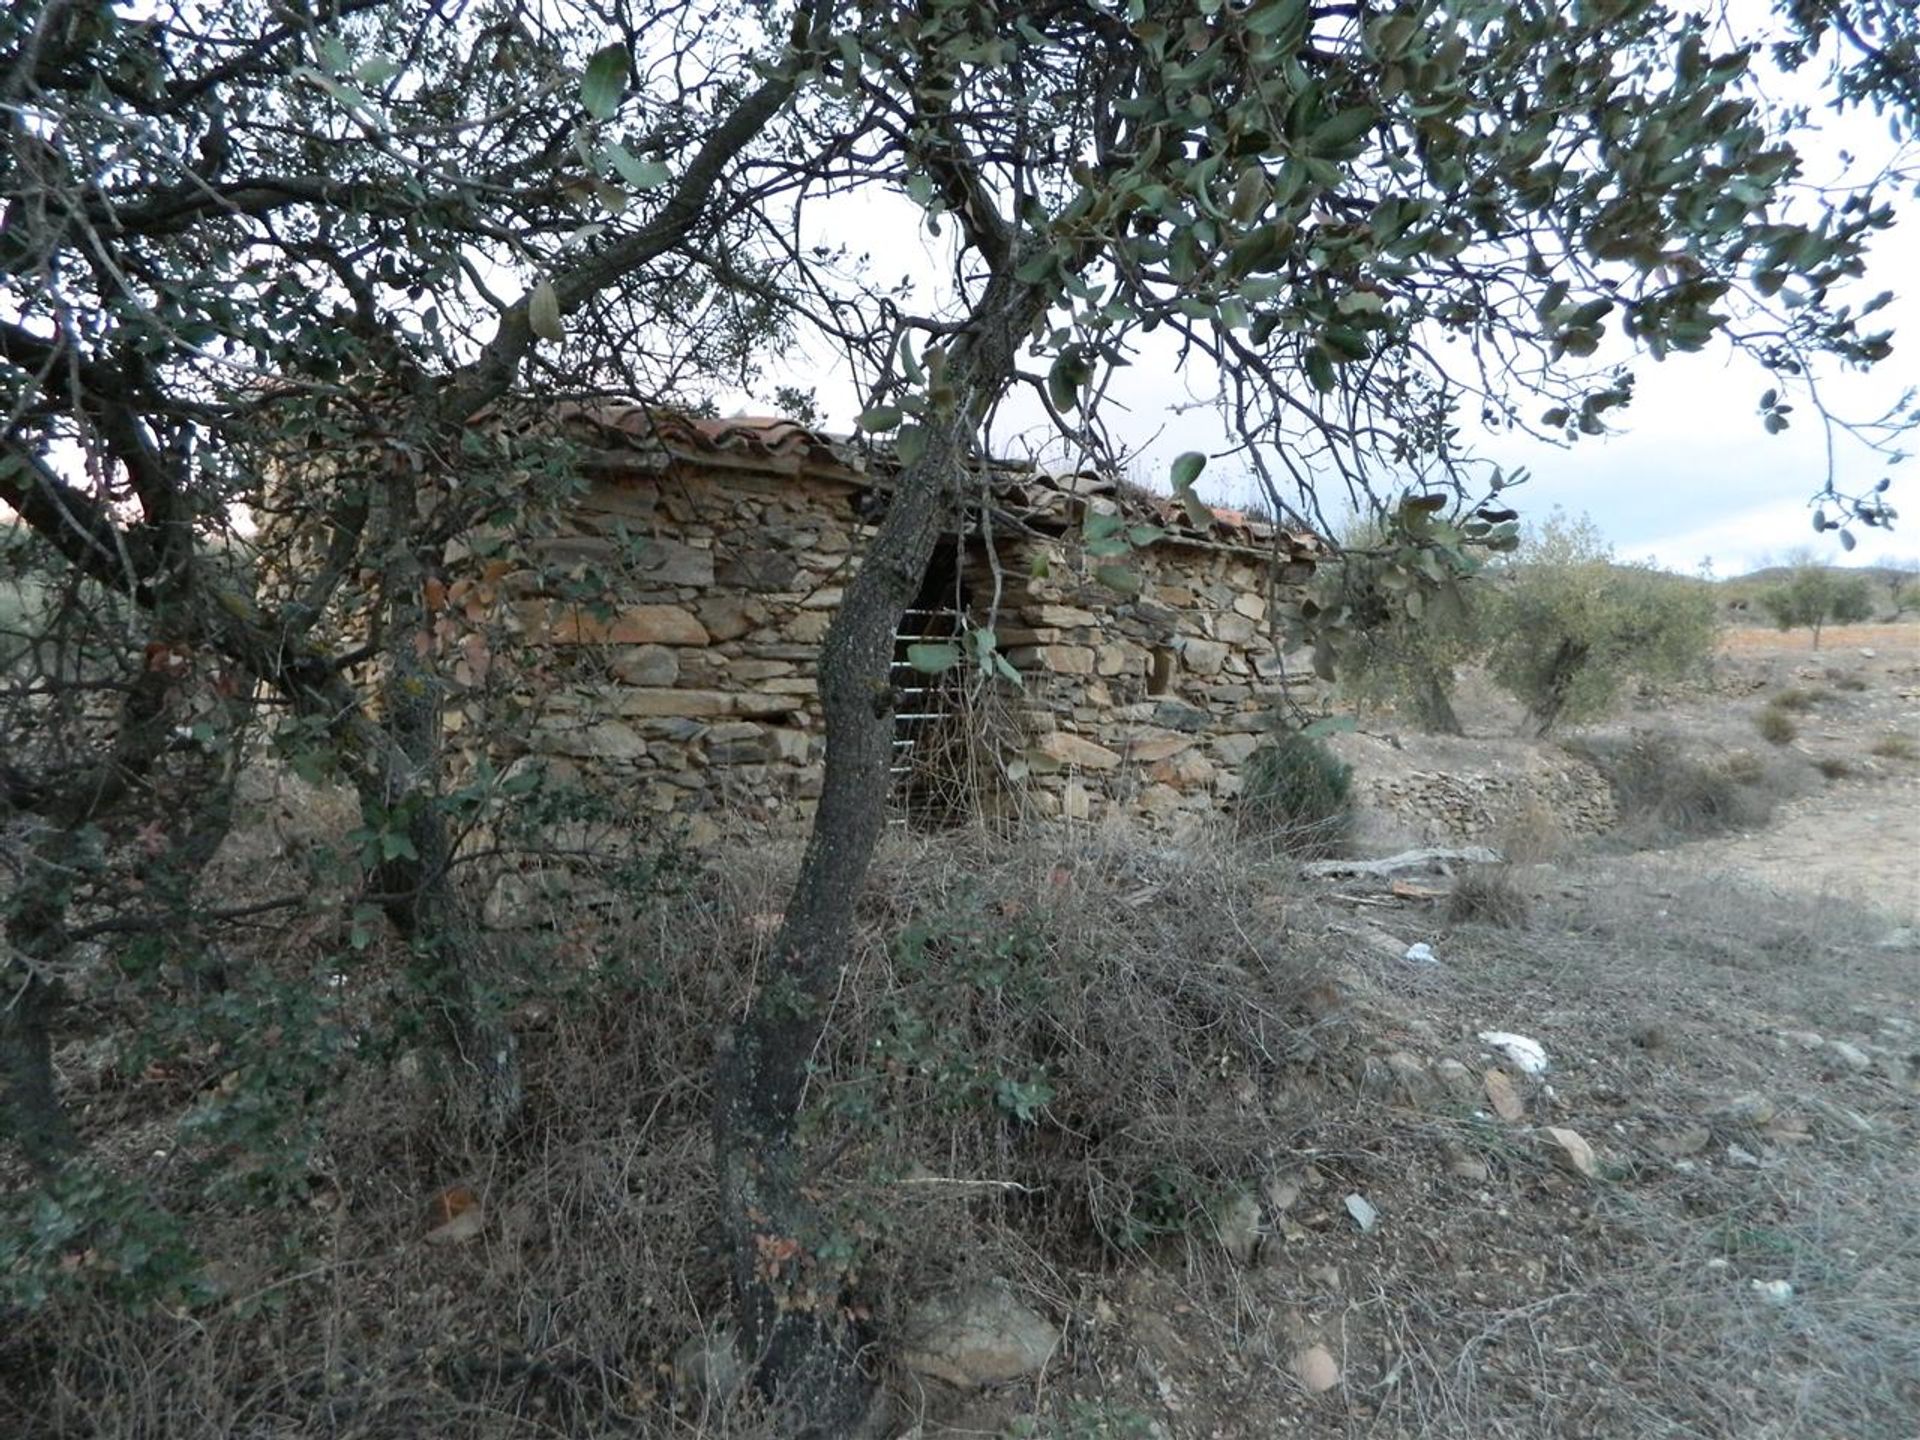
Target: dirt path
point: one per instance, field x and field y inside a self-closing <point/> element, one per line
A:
<point x="1859" y="840"/>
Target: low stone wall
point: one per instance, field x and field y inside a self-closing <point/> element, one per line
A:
<point x="1435" y="789"/>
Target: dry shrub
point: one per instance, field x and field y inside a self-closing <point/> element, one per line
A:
<point x="1833" y="767"/>
<point x="1032" y="1064"/>
<point x="1046" y="1035"/>
<point x="1897" y="746"/>
<point x="1533" y="834"/>
<point x="1298" y="796"/>
<point x="1489" y="895"/>
<point x="1663" y="791"/>
<point x="1799" y="698"/>
<point x="1775" y="725"/>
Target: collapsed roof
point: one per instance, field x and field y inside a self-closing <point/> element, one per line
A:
<point x="633" y="437"/>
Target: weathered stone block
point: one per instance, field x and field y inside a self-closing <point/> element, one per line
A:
<point x="1065" y="748"/>
<point x="747" y="671"/>
<point x="1159" y="800"/>
<point x="1060" y="617"/>
<point x="1235" y="629"/>
<point x="667" y="562"/>
<point x="1152" y="748"/>
<point x="646" y="665"/>
<point x="1253" y="606"/>
<point x="1233" y="750"/>
<point x="558" y="624"/>
<point x="1060" y="659"/>
<point x="761" y="571"/>
<point x="754" y="702"/>
<point x="728" y="617"/>
<point x="1202" y="657"/>
<point x="808" y="627"/>
<point x="1172" y="715"/>
<point x="593" y="740"/>
<point x="640" y="701"/>
<point x="795" y="747"/>
<point x="1121" y="658"/>
<point x="1185" y="771"/>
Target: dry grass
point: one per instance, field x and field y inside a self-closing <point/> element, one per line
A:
<point x="1179" y="1027"/>
<point x="1665" y="790"/>
<point x="1776" y="726"/>
<point x="1489" y="895"/>
<point x="1028" y="1066"/>
<point x="1800" y="699"/>
<point x="1896" y="746"/>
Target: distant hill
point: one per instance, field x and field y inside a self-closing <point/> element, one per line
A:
<point x="1893" y="587"/>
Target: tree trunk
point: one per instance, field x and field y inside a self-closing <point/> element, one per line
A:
<point x="1562" y="670"/>
<point x="1434" y="705"/>
<point x="30" y="1112"/>
<point x="416" y="889"/>
<point x="791" y="1321"/>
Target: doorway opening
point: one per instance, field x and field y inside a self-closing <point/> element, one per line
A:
<point x="931" y="779"/>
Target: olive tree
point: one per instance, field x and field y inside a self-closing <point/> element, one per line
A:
<point x="1814" y="596"/>
<point x="1573" y="625"/>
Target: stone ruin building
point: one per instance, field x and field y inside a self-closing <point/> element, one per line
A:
<point x="691" y="683"/>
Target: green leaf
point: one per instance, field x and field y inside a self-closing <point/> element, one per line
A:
<point x="543" y="312"/>
<point x="1064" y="379"/>
<point x="933" y="659"/>
<point x="1198" y="514"/>
<point x="1344" y="343"/>
<point x="1102" y="524"/>
<point x="1343" y="129"/>
<point x="880" y="417"/>
<point x="910" y="444"/>
<point x="1331" y="725"/>
<point x="1187" y="468"/>
<point x="1141" y="536"/>
<point x="1118" y="578"/>
<point x="395" y="845"/>
<point x="1320" y="370"/>
<point x="639" y="174"/>
<point x="605" y="82"/>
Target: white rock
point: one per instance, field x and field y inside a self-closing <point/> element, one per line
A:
<point x="1237" y="1223"/>
<point x="1364" y="1215"/>
<point x="1316" y="1369"/>
<point x="1421" y="954"/>
<point x="1528" y="1054"/>
<point x="1851" y="1056"/>
<point x="1774" y="1292"/>
<point x="709" y="1365"/>
<point x="981" y="1336"/>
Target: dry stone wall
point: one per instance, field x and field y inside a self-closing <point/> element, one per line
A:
<point x="691" y="682"/>
<point x="1435" y="789"/>
<point x="1146" y="705"/>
